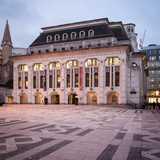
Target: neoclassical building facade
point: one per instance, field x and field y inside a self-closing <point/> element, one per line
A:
<point x="90" y="62"/>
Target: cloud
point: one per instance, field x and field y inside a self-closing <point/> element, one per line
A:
<point x="26" y="17"/>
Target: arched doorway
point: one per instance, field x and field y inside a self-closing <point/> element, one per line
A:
<point x="23" y="98"/>
<point x="72" y="98"/>
<point x="91" y="98"/>
<point x="112" y="98"/>
<point x="55" y="98"/>
<point x="39" y="98"/>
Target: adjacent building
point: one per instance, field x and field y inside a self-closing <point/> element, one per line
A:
<point x="152" y="53"/>
<point x="94" y="62"/>
<point x="6" y="67"/>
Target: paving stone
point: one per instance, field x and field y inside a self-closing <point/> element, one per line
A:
<point x="67" y="132"/>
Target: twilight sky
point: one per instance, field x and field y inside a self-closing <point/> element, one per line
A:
<point x="26" y="17"/>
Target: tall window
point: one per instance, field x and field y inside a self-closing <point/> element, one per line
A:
<point x="54" y="75"/>
<point x="39" y="76"/>
<point x="23" y="76"/>
<point x="72" y="76"/>
<point x="82" y="34"/>
<point x="91" y="33"/>
<point x="73" y="35"/>
<point x="91" y="73"/>
<point x="49" y="38"/>
<point x="65" y="36"/>
<point x="57" y="37"/>
<point x="112" y="72"/>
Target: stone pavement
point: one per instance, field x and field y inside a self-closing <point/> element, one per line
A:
<point x="78" y="133"/>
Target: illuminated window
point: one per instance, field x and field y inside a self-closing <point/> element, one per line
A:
<point x="38" y="67"/>
<point x="23" y="76"/>
<point x="54" y="75"/>
<point x="91" y="73"/>
<point x="39" y="75"/>
<point x="72" y="76"/>
<point x="112" y="70"/>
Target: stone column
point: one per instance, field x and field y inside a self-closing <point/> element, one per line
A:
<point x="123" y="82"/>
<point x="101" y="79"/>
<point x="30" y="85"/>
<point x="15" y="84"/>
<point x="63" y="98"/>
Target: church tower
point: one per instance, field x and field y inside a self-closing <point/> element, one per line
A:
<point x="6" y="45"/>
<point x="6" y="53"/>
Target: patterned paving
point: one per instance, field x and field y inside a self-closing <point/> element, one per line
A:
<point x="78" y="133"/>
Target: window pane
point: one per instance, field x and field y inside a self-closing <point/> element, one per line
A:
<point x="107" y="76"/>
<point x="34" y="81"/>
<point x="117" y="75"/>
<point x="76" y="77"/>
<point x="50" y="81"/>
<point x="87" y="77"/>
<point x="58" y="79"/>
<point x="95" y="77"/>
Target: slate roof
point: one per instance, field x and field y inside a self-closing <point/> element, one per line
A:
<point x="101" y="30"/>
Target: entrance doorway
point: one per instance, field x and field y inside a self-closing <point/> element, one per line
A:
<point x="91" y="98"/>
<point x="72" y="98"/>
<point x="55" y="99"/>
<point x="23" y="98"/>
<point x="39" y="99"/>
<point x="112" y="98"/>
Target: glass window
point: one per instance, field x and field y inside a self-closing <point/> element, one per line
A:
<point x="57" y="37"/>
<point x="117" y="75"/>
<point x="19" y="82"/>
<point x="91" y="33"/>
<point x="73" y="35"/>
<point x="34" y="81"/>
<point x="82" y="34"/>
<point x="91" y="73"/>
<point x="49" y="38"/>
<point x="58" y="78"/>
<point x="87" y="77"/>
<point x="50" y="81"/>
<point x="72" y="73"/>
<point x="107" y="76"/>
<point x="65" y="36"/>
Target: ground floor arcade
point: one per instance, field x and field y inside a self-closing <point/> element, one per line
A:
<point x="90" y="98"/>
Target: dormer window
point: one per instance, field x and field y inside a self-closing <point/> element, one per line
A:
<point x="57" y="37"/>
<point x="65" y="36"/>
<point x="49" y="38"/>
<point x="73" y="35"/>
<point x="91" y="33"/>
<point x="82" y="34"/>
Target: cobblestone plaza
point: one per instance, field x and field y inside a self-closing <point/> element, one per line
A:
<point x="69" y="132"/>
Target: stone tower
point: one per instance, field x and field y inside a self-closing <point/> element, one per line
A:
<point x="6" y="45"/>
<point x="6" y="53"/>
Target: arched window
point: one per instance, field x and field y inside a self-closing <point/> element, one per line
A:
<point x="72" y="76"/>
<point x="57" y="37"/>
<point x="23" y="76"/>
<point x="64" y="36"/>
<point x="73" y="35"/>
<point x="112" y="72"/>
<point x="91" y="73"/>
<point x="82" y="34"/>
<point x="91" y="33"/>
<point x="48" y="38"/>
<point x="39" y="76"/>
<point x="54" y="75"/>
